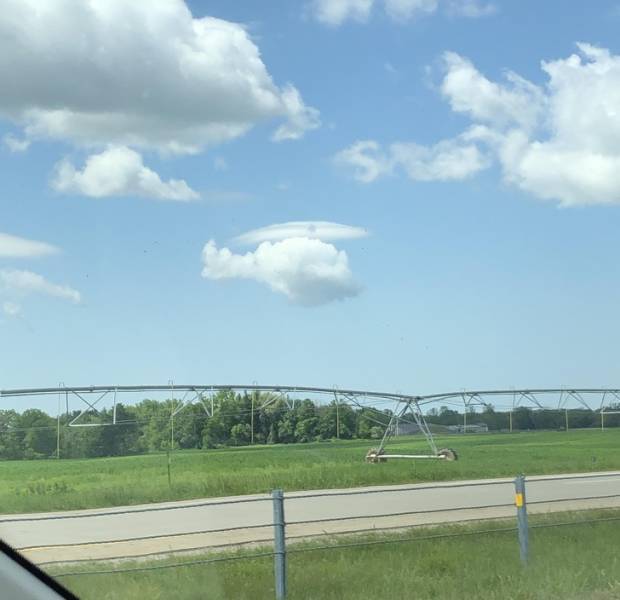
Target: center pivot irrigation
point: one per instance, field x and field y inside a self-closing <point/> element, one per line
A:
<point x="378" y="455"/>
<point x="407" y="408"/>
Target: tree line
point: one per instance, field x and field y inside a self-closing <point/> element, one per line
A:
<point x="148" y="426"/>
<point x="525" y="419"/>
<point x="236" y="420"/>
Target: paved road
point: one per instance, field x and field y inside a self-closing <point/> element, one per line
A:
<point x="188" y="525"/>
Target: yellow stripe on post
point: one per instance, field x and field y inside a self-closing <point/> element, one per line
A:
<point x="519" y="500"/>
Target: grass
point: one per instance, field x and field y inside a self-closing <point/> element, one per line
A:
<point x="46" y="485"/>
<point x="469" y="567"/>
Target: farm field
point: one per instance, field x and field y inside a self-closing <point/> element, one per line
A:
<point x="46" y="485"/>
<point x="466" y="567"/>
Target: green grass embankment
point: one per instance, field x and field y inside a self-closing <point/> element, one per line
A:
<point x="47" y="485"/>
<point x="581" y="561"/>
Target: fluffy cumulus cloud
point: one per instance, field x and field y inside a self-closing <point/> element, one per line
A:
<point x="291" y="259"/>
<point x="12" y="246"/>
<point x="301" y="117"/>
<point x="336" y="12"/>
<point x="445" y="161"/>
<point x="20" y="282"/>
<point x="318" y="230"/>
<point x="118" y="171"/>
<point x="559" y="141"/>
<point x="138" y="74"/>
<point x="515" y="101"/>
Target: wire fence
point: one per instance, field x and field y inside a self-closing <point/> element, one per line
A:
<point x="320" y="515"/>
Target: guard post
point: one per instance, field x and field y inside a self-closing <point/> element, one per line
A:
<point x="279" y="556"/>
<point x="521" y="504"/>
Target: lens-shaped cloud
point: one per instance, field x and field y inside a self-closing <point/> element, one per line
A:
<point x="318" y="230"/>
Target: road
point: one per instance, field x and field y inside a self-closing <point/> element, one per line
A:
<point x="187" y="526"/>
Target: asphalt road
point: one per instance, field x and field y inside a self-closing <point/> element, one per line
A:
<point x="187" y="526"/>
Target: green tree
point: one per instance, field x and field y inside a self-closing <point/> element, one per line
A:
<point x="10" y="440"/>
<point x="39" y="433"/>
<point x="240" y="434"/>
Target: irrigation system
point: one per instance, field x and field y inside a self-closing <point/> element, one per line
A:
<point x="407" y="408"/>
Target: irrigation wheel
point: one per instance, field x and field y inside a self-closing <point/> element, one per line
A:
<point x="448" y="453"/>
<point x="374" y="455"/>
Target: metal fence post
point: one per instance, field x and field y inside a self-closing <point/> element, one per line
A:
<point x="279" y="558"/>
<point x="521" y="505"/>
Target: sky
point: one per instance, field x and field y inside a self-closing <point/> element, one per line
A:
<point x="399" y="195"/>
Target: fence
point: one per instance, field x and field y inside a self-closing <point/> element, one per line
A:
<point x="274" y="525"/>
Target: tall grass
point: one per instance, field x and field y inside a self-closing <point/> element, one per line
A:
<point x="28" y="486"/>
<point x="581" y="561"/>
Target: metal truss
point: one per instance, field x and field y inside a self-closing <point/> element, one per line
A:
<point x="542" y="398"/>
<point x="406" y="408"/>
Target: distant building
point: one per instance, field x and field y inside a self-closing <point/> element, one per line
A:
<point x="413" y="428"/>
<point x="406" y="429"/>
<point x="473" y="428"/>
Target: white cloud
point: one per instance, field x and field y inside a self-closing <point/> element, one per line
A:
<point x="336" y="12"/>
<point x="15" y="144"/>
<point x="12" y="246"/>
<point x="559" y="142"/>
<point x="317" y="230"/>
<point x="11" y="309"/>
<point x="140" y="74"/>
<point x="472" y="9"/>
<point x="15" y="282"/>
<point x="367" y="160"/>
<point x="468" y="91"/>
<point x="403" y="10"/>
<point x="445" y="161"/>
<point x="552" y="171"/>
<point x="302" y="118"/>
<point x="118" y="171"/>
<point x="307" y="271"/>
<point x="448" y="160"/>
<point x="26" y="282"/>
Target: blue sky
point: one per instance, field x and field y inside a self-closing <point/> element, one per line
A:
<point x="488" y="261"/>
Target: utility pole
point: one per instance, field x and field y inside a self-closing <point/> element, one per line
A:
<point x="171" y="414"/>
<point x="337" y="418"/>
<point x="255" y="396"/>
<point x="510" y="417"/>
<point x="58" y="426"/>
<point x="252" y="420"/>
<point x="566" y="417"/>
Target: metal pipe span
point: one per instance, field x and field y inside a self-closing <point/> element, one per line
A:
<point x="206" y="388"/>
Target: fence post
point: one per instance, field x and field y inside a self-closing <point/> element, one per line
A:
<point x="279" y="558"/>
<point x="521" y="505"/>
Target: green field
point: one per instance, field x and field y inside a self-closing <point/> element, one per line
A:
<point x="469" y="567"/>
<point x="44" y="485"/>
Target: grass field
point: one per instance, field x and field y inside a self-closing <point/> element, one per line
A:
<point x="474" y="566"/>
<point x="71" y="484"/>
